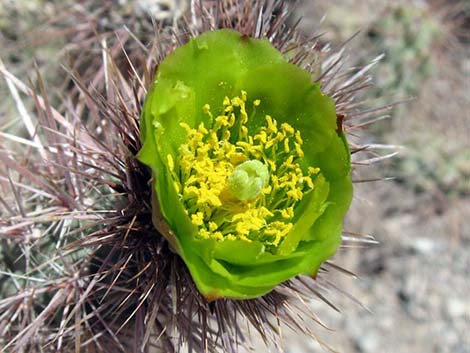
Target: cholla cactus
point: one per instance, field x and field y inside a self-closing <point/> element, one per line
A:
<point x="239" y="238"/>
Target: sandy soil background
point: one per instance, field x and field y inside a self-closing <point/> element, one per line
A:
<point x="415" y="284"/>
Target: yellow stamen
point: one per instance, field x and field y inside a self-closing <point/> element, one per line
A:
<point x="171" y="163"/>
<point x="207" y="160"/>
<point x="197" y="219"/>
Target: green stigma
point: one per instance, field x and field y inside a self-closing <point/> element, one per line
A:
<point x="248" y="180"/>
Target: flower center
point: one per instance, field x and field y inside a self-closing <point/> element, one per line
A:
<point x="248" y="180"/>
<point x="237" y="185"/>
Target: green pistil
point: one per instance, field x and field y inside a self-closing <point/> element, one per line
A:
<point x="248" y="180"/>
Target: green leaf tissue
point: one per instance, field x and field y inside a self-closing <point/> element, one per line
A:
<point x="250" y="173"/>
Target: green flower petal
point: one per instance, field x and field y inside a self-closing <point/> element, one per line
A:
<point x="202" y="73"/>
<point x="288" y="94"/>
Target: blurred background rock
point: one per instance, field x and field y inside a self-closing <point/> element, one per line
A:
<point x="416" y="282"/>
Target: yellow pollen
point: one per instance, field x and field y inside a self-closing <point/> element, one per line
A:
<point x="198" y="218"/>
<point x="171" y="163"/>
<point x="286" y="145"/>
<point x="313" y="170"/>
<point x="287" y="128"/>
<point x="206" y="108"/>
<point x="287" y="213"/>
<point x="209" y="157"/>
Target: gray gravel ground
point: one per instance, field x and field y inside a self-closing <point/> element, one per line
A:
<point x="416" y="282"/>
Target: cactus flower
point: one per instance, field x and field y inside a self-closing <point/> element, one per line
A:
<point x="250" y="171"/>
